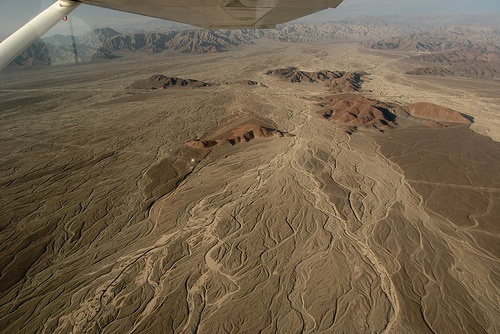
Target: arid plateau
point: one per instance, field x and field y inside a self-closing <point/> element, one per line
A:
<point x="274" y="188"/>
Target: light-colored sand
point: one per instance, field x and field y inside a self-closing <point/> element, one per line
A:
<point x="111" y="224"/>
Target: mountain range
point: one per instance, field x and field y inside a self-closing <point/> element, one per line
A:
<point x="451" y="46"/>
<point x="449" y="51"/>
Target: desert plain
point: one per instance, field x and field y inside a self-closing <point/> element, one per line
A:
<point x="242" y="206"/>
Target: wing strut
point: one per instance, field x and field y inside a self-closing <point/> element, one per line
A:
<point x="19" y="41"/>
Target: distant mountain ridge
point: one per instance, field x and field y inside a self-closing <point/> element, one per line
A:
<point x="419" y="34"/>
<point x="454" y="51"/>
<point x="442" y="39"/>
<point x="107" y="43"/>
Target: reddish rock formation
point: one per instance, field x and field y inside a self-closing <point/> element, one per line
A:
<point x="357" y="111"/>
<point x="436" y="113"/>
<point x="240" y="133"/>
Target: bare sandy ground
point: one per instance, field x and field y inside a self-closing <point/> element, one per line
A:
<point x="110" y="223"/>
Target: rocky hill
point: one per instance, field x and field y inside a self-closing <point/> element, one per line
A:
<point x="354" y="110"/>
<point x="239" y="133"/>
<point x="159" y="81"/>
<point x="336" y="81"/>
<point x="435" y="112"/>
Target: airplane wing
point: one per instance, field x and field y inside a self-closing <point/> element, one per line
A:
<point x="221" y="13"/>
<point x="228" y="14"/>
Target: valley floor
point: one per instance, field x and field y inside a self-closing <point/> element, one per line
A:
<point x="111" y="223"/>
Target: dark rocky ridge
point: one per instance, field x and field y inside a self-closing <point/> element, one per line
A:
<point x="159" y="81"/>
<point x="338" y="81"/>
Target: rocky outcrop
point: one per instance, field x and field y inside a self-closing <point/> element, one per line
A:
<point x="436" y="112"/>
<point x="354" y="110"/>
<point x="159" y="81"/>
<point x="240" y="133"/>
<point x="337" y="81"/>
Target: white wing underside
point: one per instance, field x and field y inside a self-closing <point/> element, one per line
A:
<point x="221" y="13"/>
